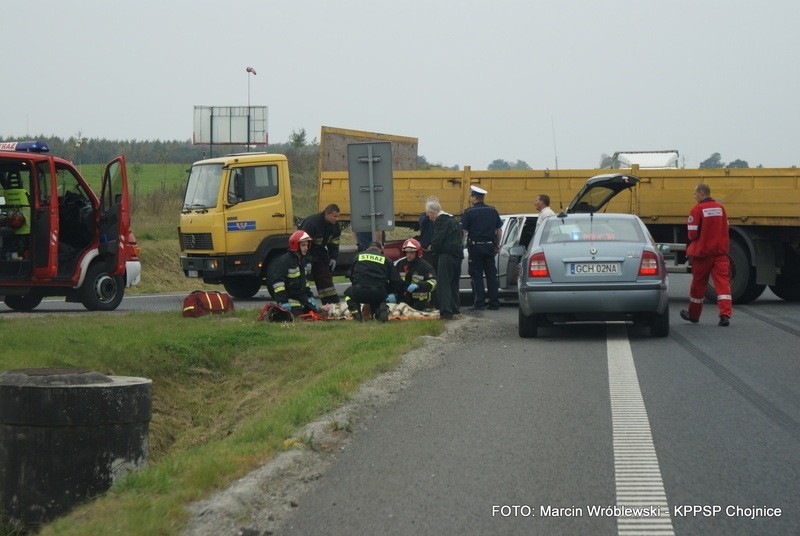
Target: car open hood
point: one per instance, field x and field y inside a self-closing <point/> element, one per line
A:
<point x="599" y="190"/>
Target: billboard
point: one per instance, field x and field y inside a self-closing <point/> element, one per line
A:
<point x="230" y="125"/>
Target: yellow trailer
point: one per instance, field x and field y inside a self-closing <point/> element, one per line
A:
<point x="763" y="206"/>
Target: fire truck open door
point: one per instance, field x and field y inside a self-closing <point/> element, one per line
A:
<point x="115" y="216"/>
<point x="45" y="228"/>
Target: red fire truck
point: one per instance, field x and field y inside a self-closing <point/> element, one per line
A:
<point x="57" y="237"/>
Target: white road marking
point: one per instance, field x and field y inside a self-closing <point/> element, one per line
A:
<point x="636" y="472"/>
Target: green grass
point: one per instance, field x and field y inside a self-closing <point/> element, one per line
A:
<point x="142" y="178"/>
<point x="227" y="392"/>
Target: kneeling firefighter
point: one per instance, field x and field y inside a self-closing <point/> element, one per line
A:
<point x="418" y="276"/>
<point x="376" y="282"/>
<point x="287" y="277"/>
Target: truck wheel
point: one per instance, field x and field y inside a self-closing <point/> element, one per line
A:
<point x="743" y="278"/>
<point x="242" y="286"/>
<point x="528" y="325"/>
<point x="787" y="285"/>
<point x="786" y="290"/>
<point x="29" y="302"/>
<point x="101" y="291"/>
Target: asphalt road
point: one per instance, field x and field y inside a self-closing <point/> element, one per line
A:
<point x="512" y="426"/>
<point x="511" y="436"/>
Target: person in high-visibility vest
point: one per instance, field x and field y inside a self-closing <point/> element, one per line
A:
<point x="19" y="210"/>
<point x="18" y="215"/>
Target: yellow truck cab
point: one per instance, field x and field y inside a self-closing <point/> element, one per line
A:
<point x="236" y="217"/>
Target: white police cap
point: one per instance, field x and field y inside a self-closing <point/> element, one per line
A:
<point x="478" y="191"/>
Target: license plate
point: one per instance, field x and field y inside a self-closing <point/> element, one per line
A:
<point x="193" y="273"/>
<point x="594" y="268"/>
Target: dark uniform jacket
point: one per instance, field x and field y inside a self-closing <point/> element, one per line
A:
<point x="447" y="236"/>
<point x="324" y="237"/>
<point x="287" y="278"/>
<point x="371" y="269"/>
<point x="420" y="272"/>
<point x="481" y="221"/>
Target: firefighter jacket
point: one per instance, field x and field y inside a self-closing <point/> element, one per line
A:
<point x="447" y="238"/>
<point x="708" y="229"/>
<point x="371" y="269"/>
<point x="324" y="237"/>
<point x="287" y="278"/>
<point x="420" y="272"/>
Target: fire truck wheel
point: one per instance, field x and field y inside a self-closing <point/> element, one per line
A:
<point x="242" y="286"/>
<point x="28" y="302"/>
<point x="101" y="291"/>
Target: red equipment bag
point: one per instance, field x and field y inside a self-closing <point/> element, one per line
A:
<point x="272" y="312"/>
<point x="204" y="302"/>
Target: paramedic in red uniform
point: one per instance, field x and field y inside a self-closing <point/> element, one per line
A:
<point x="708" y="248"/>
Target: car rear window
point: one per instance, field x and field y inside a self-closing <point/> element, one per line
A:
<point x="592" y="230"/>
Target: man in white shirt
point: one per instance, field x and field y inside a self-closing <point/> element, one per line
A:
<point x="542" y="204"/>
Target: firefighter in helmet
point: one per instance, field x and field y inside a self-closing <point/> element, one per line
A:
<point x="419" y="277"/>
<point x="287" y="277"/>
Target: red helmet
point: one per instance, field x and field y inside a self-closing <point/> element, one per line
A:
<point x="296" y="238"/>
<point x="412" y="244"/>
<point x="16" y="221"/>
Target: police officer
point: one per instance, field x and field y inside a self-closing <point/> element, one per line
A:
<point x="482" y="226"/>
<point x="707" y="227"/>
<point x="323" y="228"/>
<point x="376" y="282"/>
<point x="418" y="275"/>
<point x="287" y="277"/>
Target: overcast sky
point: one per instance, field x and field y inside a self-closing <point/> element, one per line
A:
<point x="474" y="81"/>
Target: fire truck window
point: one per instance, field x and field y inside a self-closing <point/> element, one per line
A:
<point x="43" y="183"/>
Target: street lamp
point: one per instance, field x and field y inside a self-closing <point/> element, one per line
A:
<point x="249" y="71"/>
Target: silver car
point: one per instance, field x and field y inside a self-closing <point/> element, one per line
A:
<point x="515" y="234"/>
<point x="593" y="267"/>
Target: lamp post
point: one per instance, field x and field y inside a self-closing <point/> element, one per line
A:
<point x="249" y="71"/>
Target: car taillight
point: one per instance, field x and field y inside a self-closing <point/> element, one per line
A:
<point x="649" y="264"/>
<point x="537" y="266"/>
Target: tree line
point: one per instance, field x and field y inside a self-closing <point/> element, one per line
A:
<point x="302" y="154"/>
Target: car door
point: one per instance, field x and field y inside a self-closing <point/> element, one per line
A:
<point x="599" y="190"/>
<point x="512" y="230"/>
<point x="115" y="219"/>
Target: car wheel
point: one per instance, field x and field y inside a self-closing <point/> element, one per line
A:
<point x="659" y="324"/>
<point x="466" y="299"/>
<point x="102" y="291"/>
<point x="528" y="325"/>
<point x="28" y="302"/>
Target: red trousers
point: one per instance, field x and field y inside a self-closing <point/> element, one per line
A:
<point x="719" y="268"/>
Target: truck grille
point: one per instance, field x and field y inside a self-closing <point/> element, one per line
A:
<point x="197" y="241"/>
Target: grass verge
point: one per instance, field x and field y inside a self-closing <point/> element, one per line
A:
<point x="227" y="391"/>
